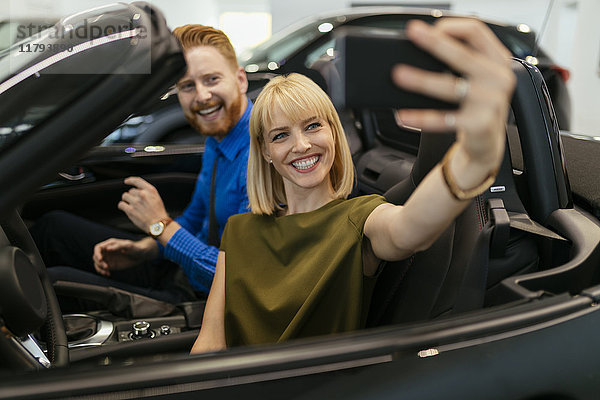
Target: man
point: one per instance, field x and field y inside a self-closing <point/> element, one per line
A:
<point x="213" y="97"/>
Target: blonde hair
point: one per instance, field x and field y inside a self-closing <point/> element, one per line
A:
<point x="196" y="35"/>
<point x="295" y="95"/>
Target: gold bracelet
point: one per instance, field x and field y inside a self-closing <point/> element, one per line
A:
<point x="455" y="190"/>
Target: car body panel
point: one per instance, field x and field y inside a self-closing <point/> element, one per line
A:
<point x="335" y="362"/>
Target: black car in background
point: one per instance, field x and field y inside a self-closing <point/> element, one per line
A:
<point x="504" y="305"/>
<point x="298" y="47"/>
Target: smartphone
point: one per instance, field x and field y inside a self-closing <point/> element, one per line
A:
<point x="364" y="60"/>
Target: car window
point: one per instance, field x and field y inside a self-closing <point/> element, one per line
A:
<point x="165" y="124"/>
<point x="519" y="48"/>
<point x="325" y="50"/>
<point x="129" y="130"/>
<point x="279" y="47"/>
<point x="389" y="132"/>
<point x="521" y="44"/>
<point x="385" y="21"/>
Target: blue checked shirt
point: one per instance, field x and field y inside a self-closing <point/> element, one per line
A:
<point x="187" y="247"/>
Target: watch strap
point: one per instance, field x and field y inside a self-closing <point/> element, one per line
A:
<point x="166" y="221"/>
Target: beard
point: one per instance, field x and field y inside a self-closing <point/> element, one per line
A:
<point x="219" y="127"/>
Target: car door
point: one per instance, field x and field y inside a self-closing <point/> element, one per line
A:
<point x="158" y="145"/>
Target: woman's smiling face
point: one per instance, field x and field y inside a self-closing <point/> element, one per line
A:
<point x="302" y="150"/>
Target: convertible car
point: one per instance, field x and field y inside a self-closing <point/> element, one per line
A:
<point x="503" y="305"/>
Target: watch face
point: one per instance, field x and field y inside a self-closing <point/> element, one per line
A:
<point x="157" y="228"/>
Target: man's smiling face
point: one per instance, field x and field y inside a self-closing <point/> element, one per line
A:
<point x="212" y="92"/>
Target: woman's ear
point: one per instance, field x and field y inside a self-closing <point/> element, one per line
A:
<point x="265" y="153"/>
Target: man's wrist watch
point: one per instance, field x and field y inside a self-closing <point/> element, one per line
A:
<point x="156" y="229"/>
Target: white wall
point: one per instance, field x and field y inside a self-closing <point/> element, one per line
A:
<point x="287" y="12"/>
<point x="178" y="12"/>
<point x="585" y="77"/>
<point x="14" y="8"/>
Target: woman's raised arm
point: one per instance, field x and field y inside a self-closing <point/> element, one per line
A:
<point x="484" y="91"/>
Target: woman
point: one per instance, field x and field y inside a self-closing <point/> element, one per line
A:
<point x="302" y="263"/>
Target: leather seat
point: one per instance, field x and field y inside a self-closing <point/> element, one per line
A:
<point x="431" y="283"/>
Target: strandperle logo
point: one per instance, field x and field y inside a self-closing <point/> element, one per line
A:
<point x="59" y="42"/>
<point x="84" y="31"/>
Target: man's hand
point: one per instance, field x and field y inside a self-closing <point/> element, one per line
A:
<point x="117" y="254"/>
<point x="142" y="203"/>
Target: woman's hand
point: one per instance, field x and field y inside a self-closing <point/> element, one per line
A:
<point x="470" y="48"/>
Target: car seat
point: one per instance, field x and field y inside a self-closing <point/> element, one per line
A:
<point x="457" y="271"/>
<point x="494" y="238"/>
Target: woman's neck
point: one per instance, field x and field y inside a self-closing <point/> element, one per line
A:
<point x="301" y="200"/>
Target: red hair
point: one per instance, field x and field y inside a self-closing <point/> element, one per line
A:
<point x="195" y="35"/>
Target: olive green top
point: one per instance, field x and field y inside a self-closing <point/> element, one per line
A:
<point x="297" y="275"/>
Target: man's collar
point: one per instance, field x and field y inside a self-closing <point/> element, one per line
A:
<point x="237" y="138"/>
